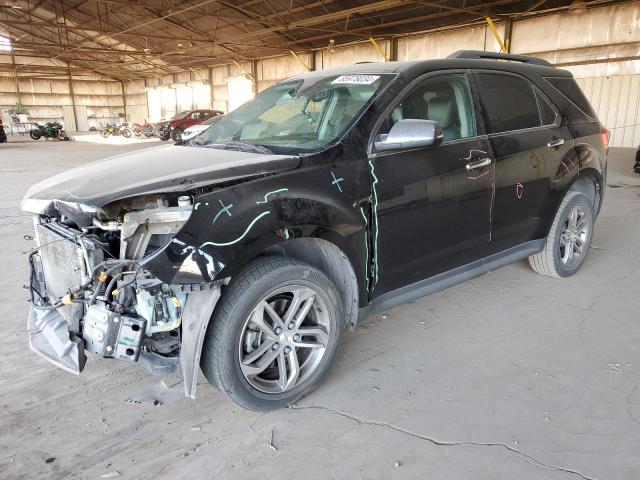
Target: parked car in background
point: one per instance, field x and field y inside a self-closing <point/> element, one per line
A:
<point x="329" y="197"/>
<point x="3" y="134"/>
<point x="173" y="128"/>
<point x="195" y="130"/>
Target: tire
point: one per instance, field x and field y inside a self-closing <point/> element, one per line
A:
<point x="35" y="134"/>
<point x="62" y="135"/>
<point x="104" y="133"/>
<point x="556" y="260"/>
<point x="176" y="135"/>
<point x="126" y="133"/>
<point x="231" y="332"/>
<point x="137" y="132"/>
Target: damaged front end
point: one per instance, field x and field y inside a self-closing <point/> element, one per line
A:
<point x="90" y="290"/>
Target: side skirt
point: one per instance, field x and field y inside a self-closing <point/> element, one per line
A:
<point x="450" y="278"/>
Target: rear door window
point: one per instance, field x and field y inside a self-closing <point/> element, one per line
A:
<point x="513" y="103"/>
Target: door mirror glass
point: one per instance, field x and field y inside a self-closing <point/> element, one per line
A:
<point x="410" y="133"/>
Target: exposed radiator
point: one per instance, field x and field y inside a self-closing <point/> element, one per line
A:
<point x="63" y="266"/>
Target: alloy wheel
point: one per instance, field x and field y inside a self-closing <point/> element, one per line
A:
<point x="573" y="238"/>
<point x="284" y="339"/>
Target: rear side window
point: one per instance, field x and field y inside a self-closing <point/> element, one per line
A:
<point x="513" y="103"/>
<point x="570" y="89"/>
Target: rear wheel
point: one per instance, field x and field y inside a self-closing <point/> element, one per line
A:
<point x="104" y="133"/>
<point x="137" y="131"/>
<point x="35" y="134"/>
<point x="569" y="238"/>
<point x="126" y="133"/>
<point x="274" y="333"/>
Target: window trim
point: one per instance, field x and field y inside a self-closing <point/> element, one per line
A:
<point x="479" y="120"/>
<point x="478" y="90"/>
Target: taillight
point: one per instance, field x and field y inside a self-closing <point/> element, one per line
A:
<point x="606" y="136"/>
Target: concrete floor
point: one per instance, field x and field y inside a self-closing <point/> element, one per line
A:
<point x="510" y="376"/>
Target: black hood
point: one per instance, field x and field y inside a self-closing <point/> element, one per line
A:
<point x="162" y="169"/>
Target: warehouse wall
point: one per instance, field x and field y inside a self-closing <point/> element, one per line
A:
<point x="616" y="100"/>
<point x="93" y="101"/>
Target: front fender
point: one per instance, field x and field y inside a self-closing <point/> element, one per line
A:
<point x="230" y="226"/>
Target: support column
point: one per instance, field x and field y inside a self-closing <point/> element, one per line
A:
<point x="393" y="49"/>
<point x="15" y="72"/>
<point x="508" y="31"/>
<point x="124" y="100"/>
<point x="312" y="60"/>
<point x="211" y="96"/>
<point x="254" y="75"/>
<point x="73" y="98"/>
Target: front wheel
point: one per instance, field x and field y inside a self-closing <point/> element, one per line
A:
<point x="274" y="333"/>
<point x="176" y="135"/>
<point x="569" y="238"/>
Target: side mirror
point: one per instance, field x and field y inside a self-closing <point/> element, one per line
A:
<point x="410" y="133"/>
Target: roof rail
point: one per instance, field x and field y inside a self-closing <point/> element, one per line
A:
<point x="480" y="55"/>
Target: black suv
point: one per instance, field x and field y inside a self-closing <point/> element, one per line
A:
<point x="329" y="197"/>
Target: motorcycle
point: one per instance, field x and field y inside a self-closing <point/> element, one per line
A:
<point x="3" y="135"/>
<point x="145" y="129"/>
<point x="48" y="130"/>
<point x="115" y="130"/>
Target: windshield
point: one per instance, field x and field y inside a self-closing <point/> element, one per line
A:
<point x="178" y="116"/>
<point x="297" y="115"/>
<point x="212" y="120"/>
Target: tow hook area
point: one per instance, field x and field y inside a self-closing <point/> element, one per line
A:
<point x="49" y="337"/>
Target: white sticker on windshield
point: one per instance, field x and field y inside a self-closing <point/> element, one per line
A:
<point x="357" y="79"/>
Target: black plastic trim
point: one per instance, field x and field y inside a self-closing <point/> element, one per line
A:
<point x="450" y="278"/>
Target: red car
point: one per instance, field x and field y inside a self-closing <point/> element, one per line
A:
<point x="174" y="127"/>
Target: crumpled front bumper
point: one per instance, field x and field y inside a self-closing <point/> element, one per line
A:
<point x="50" y="338"/>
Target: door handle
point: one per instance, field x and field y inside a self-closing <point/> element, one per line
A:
<point x="483" y="162"/>
<point x="555" y="142"/>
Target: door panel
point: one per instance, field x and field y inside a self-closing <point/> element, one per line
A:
<point x="433" y="213"/>
<point x="529" y="144"/>
<point x="525" y="169"/>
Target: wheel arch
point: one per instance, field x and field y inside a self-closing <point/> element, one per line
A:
<point x="590" y="182"/>
<point x="325" y="251"/>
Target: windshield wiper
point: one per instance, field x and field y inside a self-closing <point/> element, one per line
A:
<point x="239" y="145"/>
